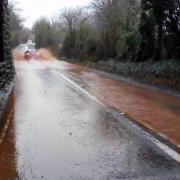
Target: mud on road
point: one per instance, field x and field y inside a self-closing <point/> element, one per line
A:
<point x="58" y="132"/>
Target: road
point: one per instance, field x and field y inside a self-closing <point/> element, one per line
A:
<point x="58" y="131"/>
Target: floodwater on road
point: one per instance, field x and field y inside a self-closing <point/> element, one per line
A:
<point x="57" y="132"/>
<point x="156" y="110"/>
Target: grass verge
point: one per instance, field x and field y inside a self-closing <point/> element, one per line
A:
<point x="161" y="74"/>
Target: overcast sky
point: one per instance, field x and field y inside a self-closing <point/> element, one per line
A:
<point x="33" y="9"/>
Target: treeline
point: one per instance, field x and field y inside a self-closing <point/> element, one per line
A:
<point x="107" y="29"/>
<point x="125" y="30"/>
<point x="19" y="34"/>
<point x="160" y="30"/>
<point x="48" y="34"/>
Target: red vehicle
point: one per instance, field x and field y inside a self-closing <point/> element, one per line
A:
<point x="30" y="54"/>
<point x="27" y="55"/>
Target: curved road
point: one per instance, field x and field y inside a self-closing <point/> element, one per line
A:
<point x="58" y="132"/>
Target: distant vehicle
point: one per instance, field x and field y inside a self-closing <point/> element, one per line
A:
<point x="31" y="52"/>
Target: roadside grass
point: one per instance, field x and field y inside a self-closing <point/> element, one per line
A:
<point x="162" y="74"/>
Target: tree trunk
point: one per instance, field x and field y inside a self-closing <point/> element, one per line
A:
<point x="159" y="45"/>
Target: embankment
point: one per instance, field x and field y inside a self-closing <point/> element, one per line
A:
<point x="161" y="74"/>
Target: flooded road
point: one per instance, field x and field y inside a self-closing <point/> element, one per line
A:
<point x="154" y="109"/>
<point x="57" y="132"/>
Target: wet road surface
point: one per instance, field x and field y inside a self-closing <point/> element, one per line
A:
<point x="156" y="110"/>
<point x="57" y="132"/>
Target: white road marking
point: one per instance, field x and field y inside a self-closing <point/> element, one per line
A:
<point x="167" y="149"/>
<point x="162" y="146"/>
<point x="80" y="88"/>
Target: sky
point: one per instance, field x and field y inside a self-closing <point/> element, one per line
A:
<point x="31" y="10"/>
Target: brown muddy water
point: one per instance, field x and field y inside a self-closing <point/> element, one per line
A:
<point x="57" y="132"/>
<point x="41" y="54"/>
<point x="154" y="109"/>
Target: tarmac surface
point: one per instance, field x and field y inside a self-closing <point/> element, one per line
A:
<point x="55" y="131"/>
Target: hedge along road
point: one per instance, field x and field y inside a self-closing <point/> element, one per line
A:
<point x="58" y="132"/>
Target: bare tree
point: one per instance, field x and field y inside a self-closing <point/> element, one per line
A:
<point x="15" y="25"/>
<point x="73" y="20"/>
<point x="113" y="19"/>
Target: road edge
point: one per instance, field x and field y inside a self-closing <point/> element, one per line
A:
<point x="6" y="108"/>
<point x="164" y="144"/>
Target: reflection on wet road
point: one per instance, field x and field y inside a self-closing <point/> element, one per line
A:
<point x="59" y="133"/>
<point x="156" y="110"/>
